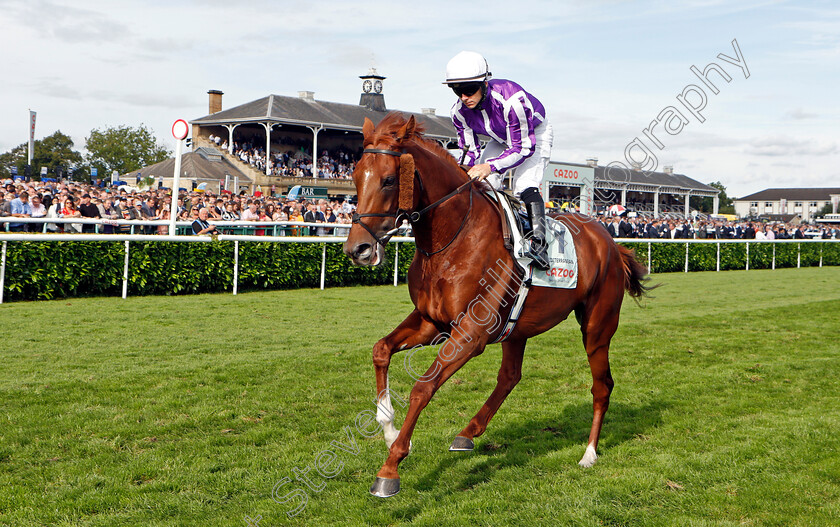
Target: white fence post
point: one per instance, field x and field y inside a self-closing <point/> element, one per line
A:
<point x="323" y="265"/>
<point x="650" y="262"/>
<point x="774" y="256"/>
<point x="3" y="273"/>
<point x="718" y="256"/>
<point x="822" y="244"/>
<point x="396" y="261"/>
<point x="798" y="254"/>
<point x="748" y="256"/>
<point x="235" y="266"/>
<point x="686" y="257"/>
<point x="125" y="272"/>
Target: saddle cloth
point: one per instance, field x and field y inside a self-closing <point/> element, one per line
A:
<point x="562" y="257"/>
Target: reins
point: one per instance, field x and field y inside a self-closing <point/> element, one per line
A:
<point x="406" y="198"/>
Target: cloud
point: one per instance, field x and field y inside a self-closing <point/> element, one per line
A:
<point x="788" y="146"/>
<point x="53" y="87"/>
<point x="799" y="113"/>
<point x="144" y="99"/>
<point x="71" y="25"/>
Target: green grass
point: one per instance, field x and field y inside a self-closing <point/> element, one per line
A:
<point x="187" y="410"/>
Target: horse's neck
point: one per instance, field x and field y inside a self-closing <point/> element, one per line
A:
<point x="438" y="175"/>
<point x="442" y="224"/>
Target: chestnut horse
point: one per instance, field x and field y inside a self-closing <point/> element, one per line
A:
<point x="458" y="234"/>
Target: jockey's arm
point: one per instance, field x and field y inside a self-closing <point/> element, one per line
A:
<point x="467" y="140"/>
<point x="521" y="138"/>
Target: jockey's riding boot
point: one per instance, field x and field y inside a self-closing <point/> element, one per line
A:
<point x="537" y="249"/>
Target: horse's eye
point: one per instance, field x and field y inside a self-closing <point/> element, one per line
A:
<point x="389" y="181"/>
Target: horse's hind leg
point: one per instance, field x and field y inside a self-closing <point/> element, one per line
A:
<point x="413" y="331"/>
<point x="598" y="325"/>
<point x="509" y="374"/>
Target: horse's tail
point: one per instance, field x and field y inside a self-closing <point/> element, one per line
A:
<point x="635" y="274"/>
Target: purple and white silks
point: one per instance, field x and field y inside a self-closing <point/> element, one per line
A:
<point x="508" y="115"/>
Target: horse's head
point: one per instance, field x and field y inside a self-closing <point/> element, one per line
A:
<point x="377" y="179"/>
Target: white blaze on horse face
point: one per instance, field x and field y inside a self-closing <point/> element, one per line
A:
<point x="589" y="457"/>
<point x="370" y="182"/>
<point x="385" y="417"/>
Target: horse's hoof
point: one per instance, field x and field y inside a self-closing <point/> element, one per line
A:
<point x="385" y="487"/>
<point x="461" y="444"/>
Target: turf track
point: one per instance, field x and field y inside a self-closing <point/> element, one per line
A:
<point x="188" y="410"/>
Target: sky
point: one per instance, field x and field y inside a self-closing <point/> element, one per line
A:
<point x="604" y="70"/>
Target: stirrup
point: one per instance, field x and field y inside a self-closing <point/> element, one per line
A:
<point x="537" y="251"/>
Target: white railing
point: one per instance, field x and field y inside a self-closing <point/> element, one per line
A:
<point x="273" y="225"/>
<point x="688" y="242"/>
<point x="128" y="238"/>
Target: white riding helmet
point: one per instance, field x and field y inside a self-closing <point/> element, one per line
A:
<point x="467" y="66"/>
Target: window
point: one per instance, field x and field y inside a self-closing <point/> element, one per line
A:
<point x="753" y="204"/>
<point x="813" y="204"/>
<point x="797" y="204"/>
<point x="768" y="204"/>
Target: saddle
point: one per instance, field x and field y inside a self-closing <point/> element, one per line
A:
<point x="516" y="225"/>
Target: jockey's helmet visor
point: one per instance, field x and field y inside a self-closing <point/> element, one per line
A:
<point x="466" y="88"/>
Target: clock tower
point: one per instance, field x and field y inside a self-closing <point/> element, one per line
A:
<point x="372" y="96"/>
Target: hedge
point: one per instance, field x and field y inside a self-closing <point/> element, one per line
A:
<point x="47" y="270"/>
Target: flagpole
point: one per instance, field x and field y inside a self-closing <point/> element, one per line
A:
<point x="31" y="136"/>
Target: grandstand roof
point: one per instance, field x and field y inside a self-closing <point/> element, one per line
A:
<point x="657" y="179"/>
<point x="310" y="112"/>
<point x="203" y="164"/>
<point x="801" y="194"/>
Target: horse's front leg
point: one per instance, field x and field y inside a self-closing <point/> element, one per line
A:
<point x="413" y="331"/>
<point x="453" y="354"/>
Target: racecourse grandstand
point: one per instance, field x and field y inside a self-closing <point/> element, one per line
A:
<point x="271" y="141"/>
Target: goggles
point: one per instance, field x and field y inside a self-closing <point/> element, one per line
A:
<point x="466" y="88"/>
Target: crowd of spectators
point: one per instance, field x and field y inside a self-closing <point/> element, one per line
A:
<point x="75" y="200"/>
<point x="623" y="227"/>
<point x="292" y="160"/>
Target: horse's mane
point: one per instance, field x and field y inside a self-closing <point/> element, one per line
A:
<point x="386" y="131"/>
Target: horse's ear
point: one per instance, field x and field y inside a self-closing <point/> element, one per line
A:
<point x="407" y="130"/>
<point x="367" y="128"/>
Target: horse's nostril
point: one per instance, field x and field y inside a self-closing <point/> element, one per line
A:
<point x="362" y="250"/>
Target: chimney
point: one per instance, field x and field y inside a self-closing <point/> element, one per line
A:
<point x="668" y="169"/>
<point x="307" y="95"/>
<point x="428" y="111"/>
<point x="592" y="161"/>
<point x="215" y="101"/>
<point x="635" y="165"/>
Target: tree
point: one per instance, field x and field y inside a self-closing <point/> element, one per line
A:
<point x="122" y="148"/>
<point x="726" y="205"/>
<point x="823" y="211"/>
<point x="53" y="151"/>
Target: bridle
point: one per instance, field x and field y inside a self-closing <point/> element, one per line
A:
<point x="406" y="201"/>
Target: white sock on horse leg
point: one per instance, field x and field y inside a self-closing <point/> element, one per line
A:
<point x="385" y="417"/>
<point x="589" y="457"/>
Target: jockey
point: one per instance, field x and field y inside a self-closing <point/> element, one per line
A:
<point x="520" y="134"/>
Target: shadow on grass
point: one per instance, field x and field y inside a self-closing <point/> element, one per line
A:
<point x="519" y="443"/>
